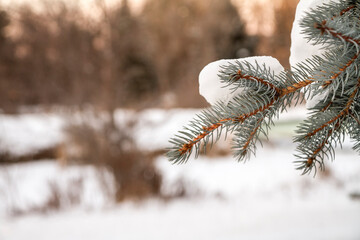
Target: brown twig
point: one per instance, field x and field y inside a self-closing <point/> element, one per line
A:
<point x="326" y="107"/>
<point x="207" y="130"/>
<point x="252" y="134"/>
<point x="295" y="87"/>
<point x="347" y="9"/>
<point x="323" y="28"/>
<point x="341" y="70"/>
<point x="240" y="75"/>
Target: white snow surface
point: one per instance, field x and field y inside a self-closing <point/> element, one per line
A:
<point x="312" y="100"/>
<point x="29" y="186"/>
<point x="28" y="133"/>
<point x="262" y="199"/>
<point x="211" y="87"/>
<point x="301" y="48"/>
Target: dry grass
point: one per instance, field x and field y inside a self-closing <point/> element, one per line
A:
<point x="41" y="154"/>
<point x="110" y="147"/>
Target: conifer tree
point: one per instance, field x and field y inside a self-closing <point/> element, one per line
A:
<point x="260" y="94"/>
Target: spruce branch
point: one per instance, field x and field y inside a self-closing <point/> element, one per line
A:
<point x="261" y="101"/>
<point x="323" y="129"/>
<point x="334" y="75"/>
<point x="327" y="25"/>
<point x="215" y="119"/>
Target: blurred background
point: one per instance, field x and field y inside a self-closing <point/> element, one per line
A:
<point x="92" y="90"/>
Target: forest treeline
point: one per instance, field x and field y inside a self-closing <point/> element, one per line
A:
<point x="59" y="56"/>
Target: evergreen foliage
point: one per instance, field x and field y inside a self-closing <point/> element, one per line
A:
<point x="334" y="75"/>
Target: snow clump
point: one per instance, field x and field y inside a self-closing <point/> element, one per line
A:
<point x="301" y="48"/>
<point x="211" y="87"/>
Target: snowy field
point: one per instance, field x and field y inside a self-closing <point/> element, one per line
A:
<point x="262" y="199"/>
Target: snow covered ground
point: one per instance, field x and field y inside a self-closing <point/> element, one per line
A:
<point x="28" y="133"/>
<point x="262" y="199"/>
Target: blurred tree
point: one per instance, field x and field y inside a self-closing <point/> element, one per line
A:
<point x="4" y="22"/>
<point x="56" y="62"/>
<point x="187" y="34"/>
<point x="7" y="92"/>
<point x="278" y="43"/>
<point x="59" y="56"/>
<point x="129" y="77"/>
